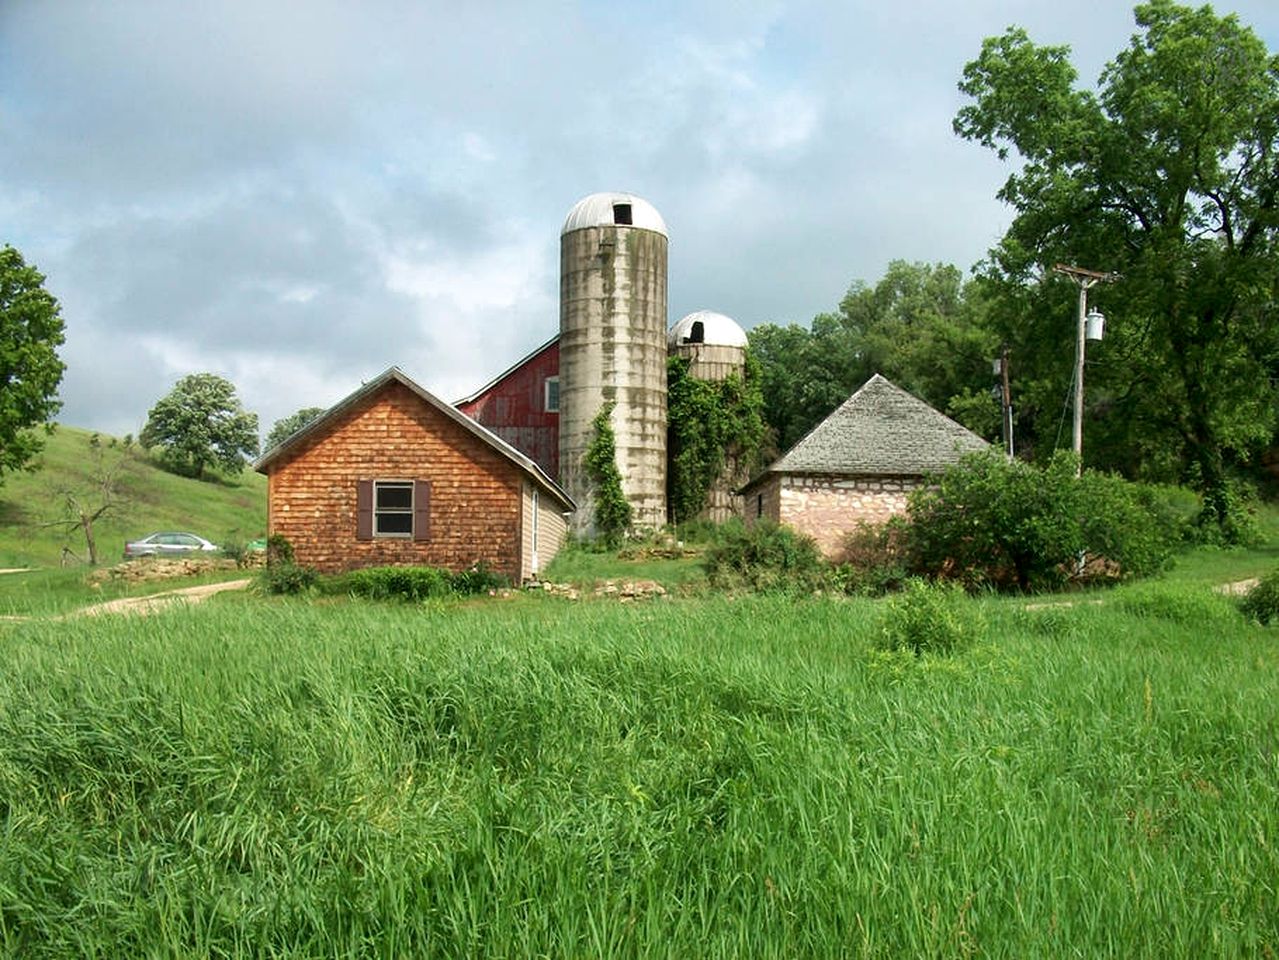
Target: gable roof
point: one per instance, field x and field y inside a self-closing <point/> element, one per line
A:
<point x="396" y="375"/>
<point x="881" y="430"/>
<point x="536" y="352"/>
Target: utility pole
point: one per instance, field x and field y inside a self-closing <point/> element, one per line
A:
<point x="1085" y="280"/>
<point x="1003" y="393"/>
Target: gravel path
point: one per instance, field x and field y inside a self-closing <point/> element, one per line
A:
<point x="141" y="606"/>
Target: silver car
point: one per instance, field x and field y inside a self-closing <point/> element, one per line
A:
<point x="167" y="545"/>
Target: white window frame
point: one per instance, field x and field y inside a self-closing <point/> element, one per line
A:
<point x="546" y="394"/>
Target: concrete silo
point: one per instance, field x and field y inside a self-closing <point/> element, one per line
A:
<point x="613" y="349"/>
<point x="715" y="347"/>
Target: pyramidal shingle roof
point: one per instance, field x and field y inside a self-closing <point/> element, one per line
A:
<point x="881" y="430"/>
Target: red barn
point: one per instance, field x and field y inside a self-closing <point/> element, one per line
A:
<point x="522" y="406"/>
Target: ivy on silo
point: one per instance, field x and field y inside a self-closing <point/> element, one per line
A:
<point x="709" y="422"/>
<point x="612" y="509"/>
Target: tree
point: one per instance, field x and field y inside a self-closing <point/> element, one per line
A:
<point x="1168" y="175"/>
<point x="201" y="423"/>
<point x="290" y="425"/>
<point x="921" y="326"/>
<point x="30" y="370"/>
<point x="99" y="495"/>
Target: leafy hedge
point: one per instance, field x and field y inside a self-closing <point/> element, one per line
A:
<point x="764" y="556"/>
<point x="415" y="584"/>
<point x="994" y="522"/>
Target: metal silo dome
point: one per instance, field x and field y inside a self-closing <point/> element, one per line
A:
<point x="709" y="327"/>
<point x="614" y="210"/>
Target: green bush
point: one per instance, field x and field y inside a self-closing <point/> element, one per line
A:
<point x="278" y="549"/>
<point x="1185" y="604"/>
<point x="873" y="560"/>
<point x="287" y="577"/>
<point x="990" y="521"/>
<point x="1261" y="603"/>
<point x="415" y="584"/>
<point x="931" y="618"/>
<point x="764" y="556"/>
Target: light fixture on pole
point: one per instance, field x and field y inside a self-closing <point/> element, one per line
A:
<point x="1088" y="324"/>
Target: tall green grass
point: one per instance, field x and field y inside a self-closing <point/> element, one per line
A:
<point x="752" y="777"/>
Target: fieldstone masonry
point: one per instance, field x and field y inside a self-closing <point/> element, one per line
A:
<point x="829" y="508"/>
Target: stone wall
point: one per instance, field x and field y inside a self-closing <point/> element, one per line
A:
<point x="827" y="508"/>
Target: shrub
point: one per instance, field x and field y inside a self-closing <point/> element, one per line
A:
<point x="287" y="578"/>
<point x="278" y="549"/>
<point x="930" y="618"/>
<point x="1261" y="603"/>
<point x="764" y="556"/>
<point x="874" y="559"/>
<point x="415" y="584"/>
<point x="234" y="550"/>
<point x="991" y="521"/>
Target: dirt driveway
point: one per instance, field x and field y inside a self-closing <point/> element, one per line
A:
<point x="141" y="606"/>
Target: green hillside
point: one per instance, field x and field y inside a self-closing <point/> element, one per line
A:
<point x="222" y="509"/>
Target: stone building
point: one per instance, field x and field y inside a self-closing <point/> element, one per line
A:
<point x="858" y="465"/>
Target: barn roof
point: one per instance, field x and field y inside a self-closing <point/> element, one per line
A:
<point x="881" y="430"/>
<point x="396" y="375"/>
<point x="536" y="352"/>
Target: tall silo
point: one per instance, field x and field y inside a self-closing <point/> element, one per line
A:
<point x="715" y="347"/>
<point x="613" y="349"/>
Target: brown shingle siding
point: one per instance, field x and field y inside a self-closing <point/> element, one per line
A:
<point x="392" y="434"/>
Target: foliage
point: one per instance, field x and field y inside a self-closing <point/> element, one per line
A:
<point x="930" y="618"/>
<point x="921" y="326"/>
<point x="287" y="578"/>
<point x="31" y="330"/>
<point x="415" y="584"/>
<point x="612" y="509"/>
<point x="99" y="495"/>
<point x="713" y="424"/>
<point x="992" y="521"/>
<point x="764" y="556"/>
<point x="874" y="559"/>
<point x="1166" y="175"/>
<point x="1261" y="603"/>
<point x="200" y="423"/>
<point x="278" y="549"/>
<point x="286" y="427"/>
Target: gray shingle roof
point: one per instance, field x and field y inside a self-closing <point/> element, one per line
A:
<point x="881" y="430"/>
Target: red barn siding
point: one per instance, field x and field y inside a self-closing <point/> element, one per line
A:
<point x="476" y="493"/>
<point x="514" y="407"/>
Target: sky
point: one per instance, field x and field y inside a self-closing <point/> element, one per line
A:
<point x="296" y="196"/>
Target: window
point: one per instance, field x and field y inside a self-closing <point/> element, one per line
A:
<point x="622" y="214"/>
<point x="393" y="509"/>
<point x="551" y="398"/>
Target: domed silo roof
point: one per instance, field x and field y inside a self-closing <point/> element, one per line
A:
<point x="716" y="330"/>
<point x="614" y="210"/>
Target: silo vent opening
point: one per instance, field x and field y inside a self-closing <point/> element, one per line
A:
<point x="622" y="214"/>
<point x="697" y="333"/>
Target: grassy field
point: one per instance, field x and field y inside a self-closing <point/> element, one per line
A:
<point x="685" y="778"/>
<point x="220" y="509"/>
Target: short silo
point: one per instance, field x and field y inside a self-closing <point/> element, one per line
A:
<point x="715" y="347"/>
<point x="613" y="349"/>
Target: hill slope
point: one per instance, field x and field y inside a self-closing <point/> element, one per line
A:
<point x="223" y="509"/>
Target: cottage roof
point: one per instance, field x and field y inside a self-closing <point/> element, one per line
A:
<point x="881" y="430"/>
<point x="396" y="375"/>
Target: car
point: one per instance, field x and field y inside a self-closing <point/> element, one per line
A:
<point x="168" y="545"/>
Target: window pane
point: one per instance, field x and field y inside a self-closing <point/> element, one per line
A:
<point x="395" y="496"/>
<point x="388" y="523"/>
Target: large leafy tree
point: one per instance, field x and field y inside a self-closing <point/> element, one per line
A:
<point x="286" y="427"/>
<point x="30" y="370"/>
<point x="1167" y="173"/>
<point x="920" y="325"/>
<point x="200" y="423"/>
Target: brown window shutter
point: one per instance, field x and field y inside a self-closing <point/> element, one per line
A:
<point x="421" y="510"/>
<point x="364" y="510"/>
